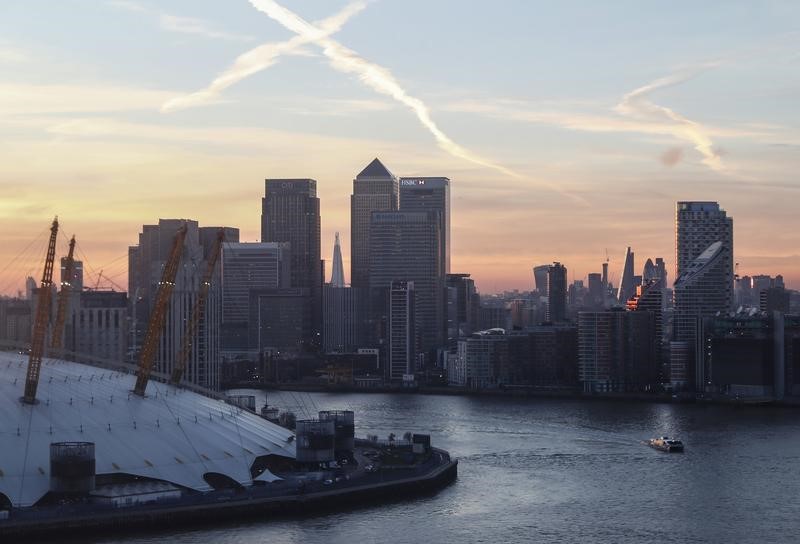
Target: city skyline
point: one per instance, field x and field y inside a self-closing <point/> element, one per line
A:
<point x="574" y="164"/>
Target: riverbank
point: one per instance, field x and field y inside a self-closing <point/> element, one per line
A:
<point x="523" y="392"/>
<point x="256" y="503"/>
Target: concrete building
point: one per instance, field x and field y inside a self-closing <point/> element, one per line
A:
<point x="290" y="214"/>
<point x="557" y="293"/>
<point x="405" y="246"/>
<point x="145" y="264"/>
<point x="375" y="189"/>
<point x="278" y="319"/>
<point x="16" y="321"/>
<point x="403" y="332"/>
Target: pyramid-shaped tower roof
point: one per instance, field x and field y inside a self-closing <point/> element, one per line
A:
<point x="375" y="169"/>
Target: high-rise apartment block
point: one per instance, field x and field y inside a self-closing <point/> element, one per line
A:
<point x="697" y="226"/>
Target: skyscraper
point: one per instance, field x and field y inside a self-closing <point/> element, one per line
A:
<point x="540" y="278"/>
<point x="430" y="194"/>
<point x="337" y="275"/>
<point x="290" y="213"/>
<point x="557" y="293"/>
<point x="700" y="291"/>
<point x="697" y="226"/>
<point x="375" y="189"/>
<point x="405" y="246"/>
<point x="627" y="286"/>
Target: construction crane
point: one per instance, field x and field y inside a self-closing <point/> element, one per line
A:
<point x="197" y="311"/>
<point x="159" y="314"/>
<point x="41" y="319"/>
<point x="63" y="299"/>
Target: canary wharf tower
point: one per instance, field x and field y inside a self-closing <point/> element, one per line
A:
<point x="375" y="189"/>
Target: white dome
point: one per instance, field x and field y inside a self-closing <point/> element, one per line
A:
<point x="172" y="434"/>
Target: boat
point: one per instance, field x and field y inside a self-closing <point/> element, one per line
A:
<point x="664" y="443"/>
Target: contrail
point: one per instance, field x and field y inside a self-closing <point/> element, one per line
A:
<point x="261" y="58"/>
<point x="636" y="104"/>
<point x="374" y="76"/>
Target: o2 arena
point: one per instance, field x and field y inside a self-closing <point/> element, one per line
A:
<point x="90" y="445"/>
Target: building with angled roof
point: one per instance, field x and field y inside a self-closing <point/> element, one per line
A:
<point x="375" y="189"/>
<point x="700" y="291"/>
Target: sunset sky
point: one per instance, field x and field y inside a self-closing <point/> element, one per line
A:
<point x="565" y="127"/>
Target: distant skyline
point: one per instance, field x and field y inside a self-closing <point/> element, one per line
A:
<point x="566" y="129"/>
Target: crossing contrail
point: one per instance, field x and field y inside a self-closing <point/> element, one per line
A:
<point x="374" y="76"/>
<point x="261" y="58"/>
<point x="637" y="104"/>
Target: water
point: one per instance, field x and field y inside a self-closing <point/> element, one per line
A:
<point x="543" y="470"/>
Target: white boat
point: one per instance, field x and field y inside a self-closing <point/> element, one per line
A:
<point x="664" y="443"/>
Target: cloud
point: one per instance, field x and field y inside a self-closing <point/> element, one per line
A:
<point x="672" y="156"/>
<point x="258" y="59"/>
<point x="12" y="55"/>
<point x="188" y="25"/>
<point x="177" y="24"/>
<point x="636" y="104"/>
<point x="372" y="75"/>
<point x="28" y="99"/>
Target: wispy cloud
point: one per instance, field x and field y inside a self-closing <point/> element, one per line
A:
<point x="12" y="55"/>
<point x="374" y="76"/>
<point x="178" y="24"/>
<point x="637" y="104"/>
<point x="18" y="99"/>
<point x="260" y="58"/>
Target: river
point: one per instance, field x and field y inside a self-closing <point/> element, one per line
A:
<point x="552" y="470"/>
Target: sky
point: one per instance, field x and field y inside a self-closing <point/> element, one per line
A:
<point x="568" y="129"/>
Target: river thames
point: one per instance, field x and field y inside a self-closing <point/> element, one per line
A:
<point x="546" y="470"/>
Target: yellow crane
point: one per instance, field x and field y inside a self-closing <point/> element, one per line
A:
<point x="197" y="311"/>
<point x="159" y="313"/>
<point x="56" y="341"/>
<point x="41" y="319"/>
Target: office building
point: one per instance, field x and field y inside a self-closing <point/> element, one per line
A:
<point x="342" y="306"/>
<point x="430" y="194"/>
<point x="245" y="267"/>
<point x="375" y="189"/>
<point x="290" y="214"/>
<point x="556" y="293"/>
<point x="540" y="278"/>
<point x="627" y="285"/>
<point x="463" y="303"/>
<point x="483" y="360"/>
<point x="405" y="246"/>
